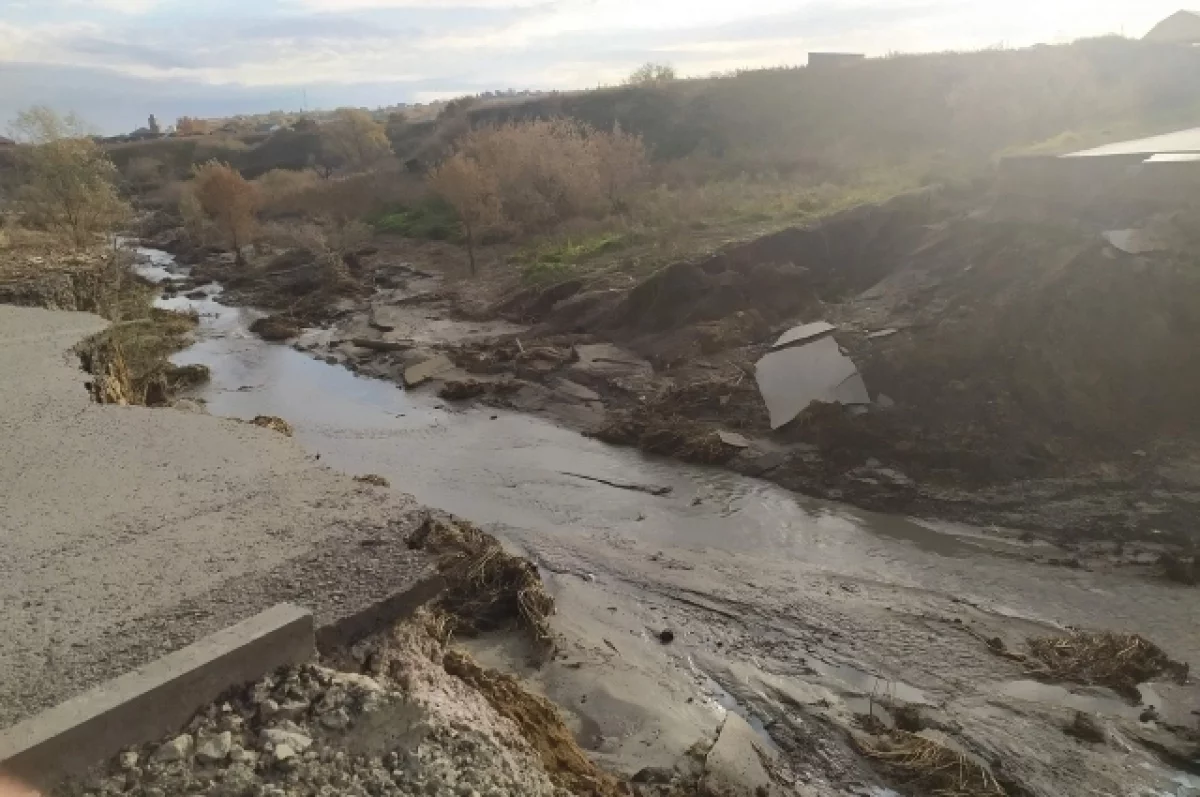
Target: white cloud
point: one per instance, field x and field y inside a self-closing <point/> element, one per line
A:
<point x="331" y="6"/>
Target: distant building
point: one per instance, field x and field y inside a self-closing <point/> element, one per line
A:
<point x="833" y="60"/>
<point x="1182" y="27"/>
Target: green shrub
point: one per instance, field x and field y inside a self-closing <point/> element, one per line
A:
<point x="430" y="219"/>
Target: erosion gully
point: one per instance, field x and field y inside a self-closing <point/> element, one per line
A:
<point x="779" y="554"/>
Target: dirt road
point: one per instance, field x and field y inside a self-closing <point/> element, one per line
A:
<point x="126" y="532"/>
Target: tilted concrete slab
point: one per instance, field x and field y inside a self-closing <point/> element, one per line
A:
<point x="155" y="700"/>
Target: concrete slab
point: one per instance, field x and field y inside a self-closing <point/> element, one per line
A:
<point x="802" y="333"/>
<point x="791" y="379"/>
<point x="155" y="700"/>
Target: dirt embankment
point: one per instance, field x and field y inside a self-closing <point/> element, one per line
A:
<point x="1020" y="374"/>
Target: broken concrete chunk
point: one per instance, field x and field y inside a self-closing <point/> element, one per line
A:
<point x="882" y="333"/>
<point x="178" y="749"/>
<point x="802" y="333"/>
<point x="791" y="379"/>
<point x="298" y="742"/>
<point x="424" y="371"/>
<point x="733" y="439"/>
<point x="214" y="749"/>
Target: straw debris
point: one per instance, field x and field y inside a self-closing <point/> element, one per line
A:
<point x="1118" y="661"/>
<point x="927" y="767"/>
<point x="486" y="587"/>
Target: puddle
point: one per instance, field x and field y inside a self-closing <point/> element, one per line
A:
<point x="867" y="688"/>
<point x="719" y="696"/>
<point x="791" y="379"/>
<point x="1102" y="705"/>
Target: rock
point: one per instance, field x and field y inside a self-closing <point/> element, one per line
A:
<point x="574" y="390"/>
<point x="214" y="749"/>
<point x="191" y="405"/>
<point x="733" y="439"/>
<point x="239" y="781"/>
<point x="424" y="371"/>
<point x="1087" y="728"/>
<point x="197" y="295"/>
<point x="666" y="636"/>
<point x="292" y="709"/>
<point x="128" y="760"/>
<point x="274" y="424"/>
<point x="659" y="775"/>
<point x="383" y="345"/>
<point x="284" y="752"/>
<point x="275" y="328"/>
<point x="336" y="720"/>
<point x="296" y="742"/>
<point x="178" y="749"/>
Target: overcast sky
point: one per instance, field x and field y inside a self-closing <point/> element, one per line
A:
<point x="117" y="61"/>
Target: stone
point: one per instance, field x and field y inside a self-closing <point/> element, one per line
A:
<point x="214" y="749"/>
<point x="575" y="390"/>
<point x="336" y="720"/>
<point x="292" y="709"/>
<point x="129" y="760"/>
<point x="284" y="752"/>
<point x="239" y="781"/>
<point x="178" y="749"/>
<point x="733" y="439"/>
<point x="296" y="742"/>
<point x="424" y="371"/>
<point x="1087" y="728"/>
<point x="660" y="775"/>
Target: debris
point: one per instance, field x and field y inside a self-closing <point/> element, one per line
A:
<point x="920" y="763"/>
<point x="276" y="328"/>
<point x="883" y="333"/>
<point x="575" y="390"/>
<point x="805" y="332"/>
<point x="273" y="423"/>
<point x="1135" y="242"/>
<point x="383" y="345"/>
<point x="373" y="479"/>
<point x="178" y="749"/>
<point x="733" y="439"/>
<point x="884" y="402"/>
<point x="486" y="588"/>
<point x="792" y="379"/>
<point x="659" y="775"/>
<point x="279" y="737"/>
<point x="1087" y="728"/>
<point x="666" y="636"/>
<point x="649" y="489"/>
<point x="908" y="718"/>
<point x="214" y="749"/>
<point x="424" y="371"/>
<point x="463" y="390"/>
<point x="1118" y="661"/>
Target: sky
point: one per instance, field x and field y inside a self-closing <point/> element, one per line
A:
<point x="115" y="62"/>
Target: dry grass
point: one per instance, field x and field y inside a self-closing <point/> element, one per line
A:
<point x="929" y="768"/>
<point x="669" y="435"/>
<point x="486" y="588"/>
<point x="274" y="423"/>
<point x="129" y="360"/>
<point x="1118" y="661"/>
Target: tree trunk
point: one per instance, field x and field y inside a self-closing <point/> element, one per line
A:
<point x="470" y="248"/>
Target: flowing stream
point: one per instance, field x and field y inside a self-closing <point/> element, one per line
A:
<point x="503" y="469"/>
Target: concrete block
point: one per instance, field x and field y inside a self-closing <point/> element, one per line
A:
<point x="155" y="700"/>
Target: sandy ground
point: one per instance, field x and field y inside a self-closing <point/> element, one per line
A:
<point x="127" y="532"/>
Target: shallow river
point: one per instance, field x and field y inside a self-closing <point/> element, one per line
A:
<point x="500" y="469"/>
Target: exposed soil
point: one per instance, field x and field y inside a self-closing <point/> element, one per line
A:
<point x="1024" y="375"/>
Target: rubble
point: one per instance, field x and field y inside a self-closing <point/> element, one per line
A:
<point x="792" y="379"/>
<point x="423" y="371"/>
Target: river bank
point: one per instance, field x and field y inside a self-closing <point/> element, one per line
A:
<point x="799" y="615"/>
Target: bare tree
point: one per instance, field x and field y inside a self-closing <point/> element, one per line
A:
<point x="621" y="163"/>
<point x="472" y="192"/>
<point x="230" y="201"/>
<point x="354" y="140"/>
<point x="68" y="182"/>
<point x="651" y="74"/>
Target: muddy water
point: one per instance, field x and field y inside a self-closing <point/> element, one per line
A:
<point x="503" y="469"/>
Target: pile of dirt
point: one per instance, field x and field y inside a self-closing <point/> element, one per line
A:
<point x="1119" y="661"/>
<point x="274" y="423"/>
<point x="486" y="587"/>
<point x="129" y="360"/>
<point x="410" y="728"/>
<point x="276" y="328"/>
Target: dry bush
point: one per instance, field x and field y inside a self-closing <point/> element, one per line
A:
<point x="144" y="172"/>
<point x="354" y="141"/>
<point x="353" y="197"/>
<point x="930" y="768"/>
<point x="542" y="172"/>
<point x="472" y="191"/>
<point x="279" y="185"/>
<point x="230" y="202"/>
<point x="68" y="183"/>
<point x="332" y="241"/>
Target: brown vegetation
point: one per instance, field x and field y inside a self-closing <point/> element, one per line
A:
<point x="1119" y="661"/>
<point x="486" y="588"/>
<point x="354" y="141"/>
<point x="230" y="202"/>
<point x="915" y="762"/>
